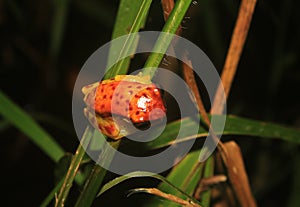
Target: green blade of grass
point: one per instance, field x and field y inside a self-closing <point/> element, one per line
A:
<point x="185" y="176"/>
<point x="128" y="13"/>
<point x="75" y="163"/>
<point x="234" y="126"/>
<point x="136" y="174"/>
<point x="130" y="19"/>
<point x="96" y="176"/>
<point x="52" y="194"/>
<point x="208" y="171"/>
<point x="58" y="27"/>
<point x="79" y="180"/>
<point x="21" y="120"/>
<point x="17" y="117"/>
<point x="164" y="39"/>
<point x="123" y="178"/>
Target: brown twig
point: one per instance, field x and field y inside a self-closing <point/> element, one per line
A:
<point x="168" y="6"/>
<point x="237" y="174"/>
<point x="191" y="82"/>
<point x="234" y="163"/>
<point x="234" y="53"/>
<point x="188" y="73"/>
<point x="155" y="191"/>
<point x="189" y="78"/>
<point x="207" y="183"/>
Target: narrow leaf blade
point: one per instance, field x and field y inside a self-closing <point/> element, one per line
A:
<point x="21" y="120"/>
<point x="234" y="126"/>
<point x="185" y="176"/>
<point x="136" y="174"/>
<point x="130" y="19"/>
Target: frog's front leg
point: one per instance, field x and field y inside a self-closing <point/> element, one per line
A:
<point x="106" y="125"/>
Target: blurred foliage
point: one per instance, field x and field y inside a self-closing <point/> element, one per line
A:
<point x="44" y="44"/>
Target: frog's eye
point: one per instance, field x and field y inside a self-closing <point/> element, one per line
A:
<point x="143" y="125"/>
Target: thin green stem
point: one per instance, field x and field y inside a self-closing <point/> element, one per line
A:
<point x="75" y="163"/>
<point x="51" y="195"/>
<point x="208" y="171"/>
<point x="95" y="179"/>
<point x="118" y="68"/>
<point x="93" y="183"/>
<point x="79" y="180"/>
<point x="166" y="36"/>
<point x="58" y="27"/>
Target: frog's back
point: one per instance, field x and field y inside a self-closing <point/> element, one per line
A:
<point x="129" y="99"/>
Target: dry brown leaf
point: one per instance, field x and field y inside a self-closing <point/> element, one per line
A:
<point x="237" y="174"/>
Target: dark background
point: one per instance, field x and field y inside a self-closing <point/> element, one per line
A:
<point x="41" y="81"/>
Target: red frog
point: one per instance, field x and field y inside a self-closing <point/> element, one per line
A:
<point x="121" y="101"/>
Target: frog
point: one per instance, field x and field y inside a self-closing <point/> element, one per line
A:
<point x="113" y="105"/>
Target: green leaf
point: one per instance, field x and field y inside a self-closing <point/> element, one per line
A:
<point x="79" y="180"/>
<point x="21" y="120"/>
<point x="208" y="172"/>
<point x="164" y="39"/>
<point x="58" y="27"/>
<point x="52" y="194"/>
<point x="242" y="126"/>
<point x="181" y="175"/>
<point x="123" y="178"/>
<point x="185" y="176"/>
<point x="73" y="168"/>
<point x="136" y="174"/>
<point x="60" y="176"/>
<point x="45" y="118"/>
<point x="62" y="166"/>
<point x="234" y="126"/>
<point x="130" y="19"/>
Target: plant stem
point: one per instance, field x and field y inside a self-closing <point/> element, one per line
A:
<point x="208" y="171"/>
<point x="165" y="38"/>
<point x="61" y="8"/>
<point x="95" y="179"/>
<point x="51" y="195"/>
<point x="234" y="53"/>
<point x="118" y="68"/>
<point x="70" y="176"/>
<point x="239" y="180"/>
